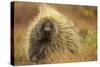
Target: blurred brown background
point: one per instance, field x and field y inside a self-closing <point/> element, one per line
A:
<point x="84" y="17"/>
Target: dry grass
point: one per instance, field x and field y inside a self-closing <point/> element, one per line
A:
<point x="89" y="47"/>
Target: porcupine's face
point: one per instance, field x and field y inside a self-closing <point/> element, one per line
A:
<point x="46" y="29"/>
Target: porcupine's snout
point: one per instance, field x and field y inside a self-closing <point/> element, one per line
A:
<point x="47" y="30"/>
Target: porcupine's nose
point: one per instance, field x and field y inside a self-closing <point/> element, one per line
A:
<point x="48" y="27"/>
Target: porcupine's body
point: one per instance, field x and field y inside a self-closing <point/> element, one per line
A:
<point x="53" y="38"/>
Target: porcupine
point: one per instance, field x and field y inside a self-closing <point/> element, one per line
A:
<point x="53" y="38"/>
